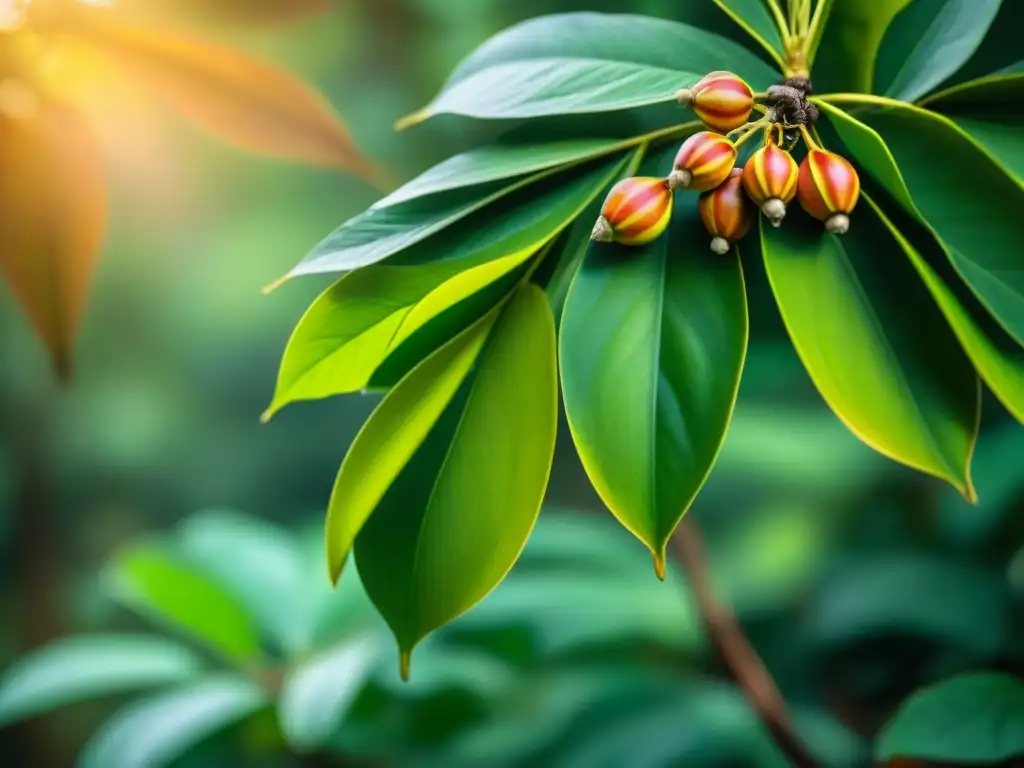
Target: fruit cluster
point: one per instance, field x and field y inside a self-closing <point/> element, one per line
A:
<point x="637" y="210"/>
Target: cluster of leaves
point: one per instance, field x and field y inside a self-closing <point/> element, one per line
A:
<point x="452" y="285"/>
<point x="60" y="61"/>
<point x="578" y="658"/>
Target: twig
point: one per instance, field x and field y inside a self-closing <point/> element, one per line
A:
<point x="736" y="651"/>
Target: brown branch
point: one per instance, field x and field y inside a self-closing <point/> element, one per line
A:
<point x="736" y="651"/>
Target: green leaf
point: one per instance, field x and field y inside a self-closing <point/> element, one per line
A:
<point x="160" y="586"/>
<point x="455" y="519"/>
<point x="353" y="327"/>
<point x="156" y="731"/>
<point x="261" y="565"/>
<point x="576" y="62"/>
<point x="1000" y="51"/>
<point x="971" y="718"/>
<point x="391" y="436"/>
<point x="874" y="343"/>
<point x="755" y="19"/>
<point x="927" y="42"/>
<point x="81" y="668"/>
<point x="978" y="229"/>
<point x="989" y="111"/>
<point x="852" y="38"/>
<point x="316" y="695"/>
<point x="996" y="356"/>
<point x="652" y="346"/>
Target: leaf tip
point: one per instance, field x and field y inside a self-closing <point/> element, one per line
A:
<point x="404" y="663"/>
<point x="271" y="287"/>
<point x="267" y="415"/>
<point x="410" y="120"/>
<point x="659" y="564"/>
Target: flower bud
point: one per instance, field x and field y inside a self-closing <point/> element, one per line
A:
<point x="636" y="211"/>
<point x="721" y="100"/>
<point x="828" y="188"/>
<point x="703" y="162"/>
<point x="727" y="212"/>
<point x="770" y="178"/>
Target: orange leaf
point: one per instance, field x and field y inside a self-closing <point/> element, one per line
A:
<point x="53" y="210"/>
<point x="248" y="102"/>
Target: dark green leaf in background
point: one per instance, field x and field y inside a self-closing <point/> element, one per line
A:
<point x="154" y="732"/>
<point x="927" y="42"/>
<point x="850" y="44"/>
<point x="755" y="19"/>
<point x="455" y="519"/>
<point x="80" y="668"/>
<point x="874" y="343"/>
<point x="974" y="718"/>
<point x="651" y="346"/>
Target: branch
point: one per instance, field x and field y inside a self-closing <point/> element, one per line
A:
<point x="736" y="651"/>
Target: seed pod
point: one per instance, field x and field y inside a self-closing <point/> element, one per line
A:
<point x="727" y="212"/>
<point x="636" y="211"/>
<point x="770" y="178"/>
<point x="703" y="162"/>
<point x="722" y="100"/>
<point x="828" y="188"/>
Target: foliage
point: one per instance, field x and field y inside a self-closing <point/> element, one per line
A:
<point x="894" y="321"/>
<point x="68" y="69"/>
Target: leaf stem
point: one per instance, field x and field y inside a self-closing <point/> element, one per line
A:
<point x="813" y="37"/>
<point x="780" y="20"/>
<point x="735" y="649"/>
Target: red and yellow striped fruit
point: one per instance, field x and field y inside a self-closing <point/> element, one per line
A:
<point x="727" y="212"/>
<point x="636" y="211"/>
<point x="721" y="100"/>
<point x="703" y="162"/>
<point x="770" y="178"/>
<point x="828" y="188"/>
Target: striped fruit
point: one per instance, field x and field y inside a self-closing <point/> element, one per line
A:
<point x="770" y="178"/>
<point x="828" y="189"/>
<point x="636" y="211"/>
<point x="721" y="100"/>
<point x="727" y="212"/>
<point x="703" y="162"/>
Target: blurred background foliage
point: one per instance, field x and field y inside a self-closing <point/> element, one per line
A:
<point x="858" y="580"/>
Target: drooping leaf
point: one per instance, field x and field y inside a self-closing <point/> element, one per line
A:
<point x="154" y="732"/>
<point x="652" y="345"/>
<point x="81" y="668"/>
<point x="587" y="62"/>
<point x="978" y="229"/>
<point x="403" y="231"/>
<point x="53" y="210"/>
<point x="927" y="42"/>
<point x="156" y="584"/>
<point x="261" y="565"/>
<point x="755" y="19"/>
<point x="250" y="103"/>
<point x="990" y="111"/>
<point x="971" y="718"/>
<point x="455" y="519"/>
<point x="353" y="327"/>
<point x="995" y="355"/>
<point x="316" y="695"/>
<point x="851" y="39"/>
<point x="856" y="312"/>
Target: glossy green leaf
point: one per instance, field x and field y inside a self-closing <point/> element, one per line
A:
<point x="352" y="328"/>
<point x="996" y="356"/>
<point x="1000" y="51"/>
<point x="971" y="718"/>
<point x="850" y="44"/>
<point x="979" y="230"/>
<point x="393" y="434"/>
<point x="81" y="668"/>
<point x="755" y="19"/>
<point x="156" y="731"/>
<point x="874" y="343"/>
<point x="316" y="695"/>
<point x="261" y="565"/>
<point x="162" y="587"/>
<point x="652" y="344"/>
<point x="990" y="111"/>
<point x="576" y="62"/>
<point x="927" y="42"/>
<point x="455" y="519"/>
